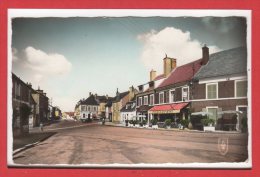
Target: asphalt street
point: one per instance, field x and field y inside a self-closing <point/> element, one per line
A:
<point x="97" y="144"/>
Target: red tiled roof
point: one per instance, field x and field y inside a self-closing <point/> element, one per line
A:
<point x="168" y="108"/>
<point x="182" y="73"/>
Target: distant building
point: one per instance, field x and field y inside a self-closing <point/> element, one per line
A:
<point x="92" y="107"/>
<point x="128" y="112"/>
<point x="42" y="106"/>
<point x="102" y="100"/>
<point x="89" y="107"/>
<point x="68" y="115"/>
<point x="119" y="101"/>
<point x="108" y="107"/>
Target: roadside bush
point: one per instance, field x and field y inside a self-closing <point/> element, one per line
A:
<point x="207" y="121"/>
<point x="185" y="122"/>
<point x="154" y="122"/>
<point x="168" y="122"/>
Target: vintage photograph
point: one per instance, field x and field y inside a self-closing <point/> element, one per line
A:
<point x="129" y="88"/>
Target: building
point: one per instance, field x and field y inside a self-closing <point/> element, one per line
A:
<point x="68" y="115"/>
<point x="119" y="101"/>
<point x="77" y="110"/>
<point x="88" y="108"/>
<point x="172" y="96"/>
<point x="220" y="88"/>
<point x="108" y="107"/>
<point x="145" y="99"/>
<point x="102" y="100"/>
<point x="42" y="106"/>
<point x="24" y="106"/>
<point x="128" y="112"/>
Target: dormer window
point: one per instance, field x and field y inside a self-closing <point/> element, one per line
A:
<point x="140" y="87"/>
<point x="151" y="84"/>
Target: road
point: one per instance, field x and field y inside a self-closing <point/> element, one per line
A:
<point x="97" y="144"/>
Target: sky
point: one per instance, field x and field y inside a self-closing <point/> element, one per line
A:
<point x="70" y="57"/>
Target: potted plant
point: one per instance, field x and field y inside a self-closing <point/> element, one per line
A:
<point x="168" y="123"/>
<point x="144" y="123"/>
<point x="134" y="122"/>
<point x="154" y="124"/>
<point x="131" y="122"/>
<point x="208" y="124"/>
<point x="137" y="123"/>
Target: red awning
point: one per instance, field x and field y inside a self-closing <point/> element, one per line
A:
<point x="167" y="108"/>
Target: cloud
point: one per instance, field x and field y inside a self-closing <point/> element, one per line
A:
<point x="46" y="64"/>
<point x="42" y="69"/>
<point x="173" y="42"/>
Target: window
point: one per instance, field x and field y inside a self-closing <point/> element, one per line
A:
<point x="161" y="97"/>
<point x="140" y="101"/>
<point x="94" y="108"/>
<point x="88" y="108"/>
<point x="185" y="93"/>
<point x="82" y="107"/>
<point x="151" y="100"/>
<point x="241" y="88"/>
<point x="211" y="91"/>
<point x="145" y="100"/>
<point x="213" y="112"/>
<point x="172" y="92"/>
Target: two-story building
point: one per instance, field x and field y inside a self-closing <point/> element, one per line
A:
<point x="102" y="100"/>
<point x="145" y="99"/>
<point x="220" y="88"/>
<point x="128" y="112"/>
<point x="42" y="106"/>
<point x="24" y="106"/>
<point x="119" y="101"/>
<point x="172" y="96"/>
<point x="89" y="107"/>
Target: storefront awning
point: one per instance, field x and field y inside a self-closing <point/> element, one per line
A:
<point x="167" y="108"/>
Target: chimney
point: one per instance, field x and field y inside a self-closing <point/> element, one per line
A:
<point x="95" y="95"/>
<point x="205" y="54"/>
<point x="168" y="65"/>
<point x="89" y="93"/>
<point x="152" y="75"/>
<point x="131" y="93"/>
<point x="30" y="85"/>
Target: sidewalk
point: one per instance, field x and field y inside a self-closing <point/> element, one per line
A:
<point x="172" y="129"/>
<point x="25" y="141"/>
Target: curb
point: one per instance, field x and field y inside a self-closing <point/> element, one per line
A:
<point x="177" y="130"/>
<point x="27" y="146"/>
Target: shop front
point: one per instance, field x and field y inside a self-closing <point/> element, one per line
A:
<point x="174" y="111"/>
